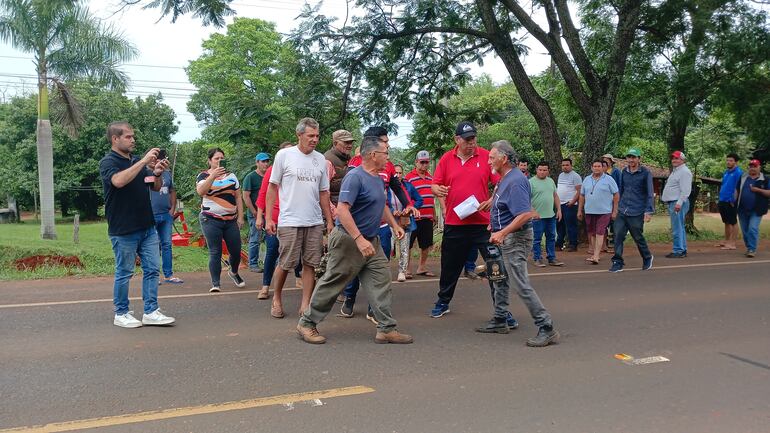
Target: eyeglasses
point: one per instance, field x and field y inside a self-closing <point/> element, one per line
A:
<point x="423" y="162"/>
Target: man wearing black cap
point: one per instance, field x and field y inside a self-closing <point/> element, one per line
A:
<point x="462" y="175"/>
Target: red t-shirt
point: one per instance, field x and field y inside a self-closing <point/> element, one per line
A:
<point x="386" y="174"/>
<point x="262" y="198"/>
<point x="422" y="185"/>
<point x="465" y="179"/>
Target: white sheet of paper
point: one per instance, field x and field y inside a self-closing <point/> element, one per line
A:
<point x="469" y="206"/>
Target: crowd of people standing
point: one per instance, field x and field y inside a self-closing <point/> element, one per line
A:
<point x="336" y="215"/>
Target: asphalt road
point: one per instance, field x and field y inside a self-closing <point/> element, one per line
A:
<point x="228" y="367"/>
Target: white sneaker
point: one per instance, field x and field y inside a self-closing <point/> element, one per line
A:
<point x="126" y="320"/>
<point x="401" y="277"/>
<point x="214" y="289"/>
<point x="157" y="318"/>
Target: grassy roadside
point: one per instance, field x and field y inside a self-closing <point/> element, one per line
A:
<point x="95" y="251"/>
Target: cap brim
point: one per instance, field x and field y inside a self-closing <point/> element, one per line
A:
<point x="467" y="134"/>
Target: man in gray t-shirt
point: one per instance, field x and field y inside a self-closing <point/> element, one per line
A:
<point x="354" y="249"/>
<point x="568" y="189"/>
<point x="163" y="209"/>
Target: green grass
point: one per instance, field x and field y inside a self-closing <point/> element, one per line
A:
<point x="94" y="251"/>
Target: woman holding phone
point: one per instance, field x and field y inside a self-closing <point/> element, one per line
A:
<point x="221" y="216"/>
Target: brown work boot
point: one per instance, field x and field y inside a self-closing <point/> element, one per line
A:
<point x="310" y="335"/>
<point x="393" y="337"/>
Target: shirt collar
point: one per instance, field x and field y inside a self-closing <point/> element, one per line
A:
<point x="475" y="152"/>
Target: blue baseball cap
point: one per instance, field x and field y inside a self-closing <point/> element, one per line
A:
<point x="262" y="156"/>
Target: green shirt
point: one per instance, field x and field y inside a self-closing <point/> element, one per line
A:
<point x="251" y="183"/>
<point x="542" y="196"/>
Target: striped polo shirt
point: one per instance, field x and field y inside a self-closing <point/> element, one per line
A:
<point x="422" y="184"/>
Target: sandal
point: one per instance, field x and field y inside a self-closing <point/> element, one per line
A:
<point x="277" y="312"/>
<point x="426" y="274"/>
<point x="174" y="280"/>
<point x="594" y="261"/>
<point x="264" y="293"/>
<point x="409" y="276"/>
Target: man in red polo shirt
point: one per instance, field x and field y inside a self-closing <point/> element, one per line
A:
<point x="462" y="172"/>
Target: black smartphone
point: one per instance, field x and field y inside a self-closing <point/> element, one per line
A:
<point x="223" y="163"/>
<point x="162" y="154"/>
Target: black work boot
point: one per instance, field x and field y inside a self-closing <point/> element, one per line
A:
<point x="545" y="335"/>
<point x="494" y="326"/>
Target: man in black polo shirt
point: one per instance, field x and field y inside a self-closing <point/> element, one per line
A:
<point x="130" y="222"/>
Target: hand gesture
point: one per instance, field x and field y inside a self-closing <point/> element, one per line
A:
<point x="259" y="222"/>
<point x="399" y="232"/>
<point x="218" y="172"/>
<point x="150" y="157"/>
<point x="270" y="227"/>
<point x="497" y="238"/>
<point x="160" y="166"/>
<point x="366" y="247"/>
<point x="441" y="190"/>
<point x="485" y="205"/>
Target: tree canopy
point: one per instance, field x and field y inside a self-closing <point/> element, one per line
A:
<point x="253" y="87"/>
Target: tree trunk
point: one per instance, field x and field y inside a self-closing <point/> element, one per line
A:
<point x="45" y="158"/>
<point x="45" y="175"/>
<point x="536" y="105"/>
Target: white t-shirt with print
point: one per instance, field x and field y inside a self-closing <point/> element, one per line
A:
<point x="300" y="178"/>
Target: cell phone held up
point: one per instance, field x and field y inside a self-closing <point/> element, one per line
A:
<point x="223" y="163"/>
<point x="162" y="154"/>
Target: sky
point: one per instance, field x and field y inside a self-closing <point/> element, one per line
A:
<point x="166" y="48"/>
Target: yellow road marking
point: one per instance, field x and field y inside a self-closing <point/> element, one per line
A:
<point x="111" y="421"/>
<point x="427" y="280"/>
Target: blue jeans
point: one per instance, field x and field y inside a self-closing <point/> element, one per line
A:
<point x="126" y="247"/>
<point x="255" y="238"/>
<point x="271" y="260"/>
<point x="677" y="226"/>
<point x="547" y="226"/>
<point x="470" y="262"/>
<point x="634" y="224"/>
<point x="164" y="223"/>
<point x="750" y="228"/>
<point x="385" y="235"/>
<point x="568" y="226"/>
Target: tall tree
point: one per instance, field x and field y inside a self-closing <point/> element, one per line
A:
<point x="76" y="166"/>
<point x="211" y="12"/>
<point x="66" y="41"/>
<point x="402" y="53"/>
<point x="704" y="52"/>
<point x="253" y="87"/>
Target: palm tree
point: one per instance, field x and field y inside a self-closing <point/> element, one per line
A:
<point x="66" y="42"/>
